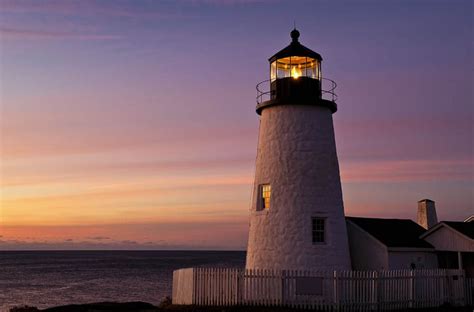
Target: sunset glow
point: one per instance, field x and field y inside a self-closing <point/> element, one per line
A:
<point x="128" y="125"/>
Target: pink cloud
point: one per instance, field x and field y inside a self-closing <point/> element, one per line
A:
<point x="83" y="8"/>
<point x="407" y="171"/>
<point x="221" y="234"/>
<point x="228" y="2"/>
<point x="13" y="33"/>
<point x="432" y="137"/>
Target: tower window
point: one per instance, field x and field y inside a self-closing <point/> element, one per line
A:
<point x="319" y="230"/>
<point x="265" y="191"/>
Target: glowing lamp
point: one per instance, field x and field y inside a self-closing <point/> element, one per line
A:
<point x="295" y="72"/>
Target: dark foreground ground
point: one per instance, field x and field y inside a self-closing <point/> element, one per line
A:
<point x="167" y="307"/>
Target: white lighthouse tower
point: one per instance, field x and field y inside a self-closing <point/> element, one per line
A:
<point x="297" y="213"/>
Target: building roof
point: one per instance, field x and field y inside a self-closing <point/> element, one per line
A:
<point x="426" y="200"/>
<point x="466" y="228"/>
<point x="393" y="232"/>
<point x="295" y="49"/>
<point x="469" y="219"/>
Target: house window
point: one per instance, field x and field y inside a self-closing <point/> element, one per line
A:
<point x="265" y="191"/>
<point x="319" y="230"/>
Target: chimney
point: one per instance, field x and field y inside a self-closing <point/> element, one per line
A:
<point x="427" y="213"/>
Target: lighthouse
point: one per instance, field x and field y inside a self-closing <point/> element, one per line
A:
<point x="297" y="213"/>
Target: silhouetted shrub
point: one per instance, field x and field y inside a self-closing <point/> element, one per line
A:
<point x="166" y="302"/>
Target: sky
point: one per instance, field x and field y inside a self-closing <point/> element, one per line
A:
<point x="132" y="124"/>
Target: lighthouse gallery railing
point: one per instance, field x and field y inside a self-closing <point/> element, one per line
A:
<point x="328" y="88"/>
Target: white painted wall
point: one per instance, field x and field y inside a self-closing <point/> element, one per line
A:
<point x="366" y="252"/>
<point x="446" y="239"/>
<point x="297" y="156"/>
<point x="183" y="286"/>
<point x="398" y="260"/>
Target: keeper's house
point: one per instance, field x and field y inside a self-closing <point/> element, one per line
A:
<point x="454" y="244"/>
<point x="388" y="244"/>
<point x="394" y="244"/>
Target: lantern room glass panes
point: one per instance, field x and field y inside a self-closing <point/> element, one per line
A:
<point x="273" y="71"/>
<point x="295" y="67"/>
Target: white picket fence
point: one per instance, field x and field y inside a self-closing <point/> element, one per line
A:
<point x="327" y="291"/>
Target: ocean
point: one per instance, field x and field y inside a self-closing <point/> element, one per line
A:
<point x="51" y="278"/>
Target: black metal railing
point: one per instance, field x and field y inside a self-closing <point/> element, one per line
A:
<point x="328" y="87"/>
<point x="263" y="95"/>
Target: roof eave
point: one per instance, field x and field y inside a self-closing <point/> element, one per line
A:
<point x="368" y="233"/>
<point x="438" y="226"/>
<point x="289" y="51"/>
<point x="425" y="249"/>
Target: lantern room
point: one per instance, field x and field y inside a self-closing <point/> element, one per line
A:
<point x="295" y="78"/>
<point x="295" y="61"/>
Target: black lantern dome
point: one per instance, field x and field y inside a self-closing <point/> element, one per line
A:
<point x="296" y="49"/>
<point x="295" y="78"/>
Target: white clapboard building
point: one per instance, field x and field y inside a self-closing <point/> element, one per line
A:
<point x="389" y="244"/>
<point x="392" y="244"/>
<point x="454" y="244"/>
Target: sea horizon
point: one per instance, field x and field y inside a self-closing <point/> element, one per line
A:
<point x="49" y="250"/>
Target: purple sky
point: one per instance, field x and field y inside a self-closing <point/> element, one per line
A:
<point x="134" y="121"/>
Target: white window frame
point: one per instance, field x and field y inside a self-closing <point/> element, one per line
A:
<point x="261" y="199"/>
<point x="324" y="231"/>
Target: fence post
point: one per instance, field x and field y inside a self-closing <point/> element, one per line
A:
<point x="335" y="294"/>
<point x="374" y="291"/>
<point x="412" y="289"/>
<point x="448" y="287"/>
<point x="237" y="287"/>
<point x="462" y="285"/>
<point x="193" y="291"/>
<point x="282" y="298"/>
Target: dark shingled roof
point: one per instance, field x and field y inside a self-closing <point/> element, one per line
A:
<point x="393" y="232"/>
<point x="466" y="228"/>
